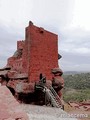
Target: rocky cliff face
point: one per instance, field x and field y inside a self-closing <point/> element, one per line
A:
<point x="9" y="108"/>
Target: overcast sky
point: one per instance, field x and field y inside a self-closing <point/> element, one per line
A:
<point x="70" y="19"/>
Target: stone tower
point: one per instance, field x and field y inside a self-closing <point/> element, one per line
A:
<point x="41" y="52"/>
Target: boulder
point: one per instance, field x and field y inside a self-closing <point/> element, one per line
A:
<point x="56" y="71"/>
<point x="9" y="108"/>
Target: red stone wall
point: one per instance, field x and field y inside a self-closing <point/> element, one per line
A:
<point x="20" y="44"/>
<point x="11" y="61"/>
<point x="17" y="65"/>
<point x="14" y="62"/>
<point x="39" y="55"/>
<point x="41" y="52"/>
<point x="25" y="57"/>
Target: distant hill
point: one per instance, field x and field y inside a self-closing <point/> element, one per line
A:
<point x="70" y="72"/>
<point x="77" y="81"/>
<point x="77" y="87"/>
<point x="74" y="72"/>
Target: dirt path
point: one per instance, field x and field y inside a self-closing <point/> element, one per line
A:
<point x="80" y="114"/>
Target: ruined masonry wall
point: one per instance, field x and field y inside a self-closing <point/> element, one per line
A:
<point x="20" y="44"/>
<point x="41" y="53"/>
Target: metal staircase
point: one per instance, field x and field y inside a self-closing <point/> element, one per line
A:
<point x="52" y="98"/>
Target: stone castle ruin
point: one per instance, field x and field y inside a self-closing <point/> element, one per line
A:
<point x="32" y="74"/>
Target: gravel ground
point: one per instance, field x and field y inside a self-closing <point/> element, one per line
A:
<point x="45" y="113"/>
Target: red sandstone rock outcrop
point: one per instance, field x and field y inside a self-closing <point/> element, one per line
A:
<point x="9" y="107"/>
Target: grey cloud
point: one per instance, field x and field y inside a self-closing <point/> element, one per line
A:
<point x="75" y="41"/>
<point x="74" y="62"/>
<point x="76" y="58"/>
<point x="8" y="42"/>
<point x="3" y="60"/>
<point x="74" y="46"/>
<point x="52" y="13"/>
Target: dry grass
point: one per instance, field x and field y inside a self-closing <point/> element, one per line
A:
<point x="73" y="110"/>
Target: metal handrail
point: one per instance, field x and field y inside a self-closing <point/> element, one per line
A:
<point x="52" y="95"/>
